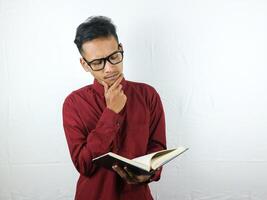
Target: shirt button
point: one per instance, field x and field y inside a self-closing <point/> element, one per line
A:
<point x="118" y="123"/>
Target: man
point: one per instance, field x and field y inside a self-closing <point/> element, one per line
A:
<point x="112" y="114"/>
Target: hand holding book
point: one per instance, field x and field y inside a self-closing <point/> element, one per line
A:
<point x="129" y="176"/>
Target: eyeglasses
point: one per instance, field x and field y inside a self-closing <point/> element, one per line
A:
<point x="100" y="63"/>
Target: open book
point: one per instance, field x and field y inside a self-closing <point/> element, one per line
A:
<point x="142" y="165"/>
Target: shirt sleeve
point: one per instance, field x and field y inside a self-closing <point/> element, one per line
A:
<point x="84" y="145"/>
<point x="157" y="140"/>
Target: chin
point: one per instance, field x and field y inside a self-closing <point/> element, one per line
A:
<point x="111" y="83"/>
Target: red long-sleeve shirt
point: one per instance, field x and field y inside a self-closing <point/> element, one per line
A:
<point x="91" y="130"/>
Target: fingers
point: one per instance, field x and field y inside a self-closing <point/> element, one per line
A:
<point x="105" y="86"/>
<point x="117" y="82"/>
<point x="120" y="171"/>
<point x="125" y="175"/>
<point x="116" y="85"/>
<point x="130" y="174"/>
<point x="120" y="87"/>
<point x="117" y="91"/>
<point x="137" y="178"/>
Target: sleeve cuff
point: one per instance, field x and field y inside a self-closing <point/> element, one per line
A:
<point x="156" y="176"/>
<point x="110" y="118"/>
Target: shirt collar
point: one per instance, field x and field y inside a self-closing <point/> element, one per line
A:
<point x="100" y="88"/>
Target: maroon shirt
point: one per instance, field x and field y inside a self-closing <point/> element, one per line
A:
<point x="92" y="129"/>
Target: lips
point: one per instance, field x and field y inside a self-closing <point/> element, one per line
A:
<point x="111" y="76"/>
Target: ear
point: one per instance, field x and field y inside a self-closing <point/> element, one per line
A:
<point x="84" y="65"/>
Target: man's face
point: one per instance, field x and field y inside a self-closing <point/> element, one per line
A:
<point x="101" y="48"/>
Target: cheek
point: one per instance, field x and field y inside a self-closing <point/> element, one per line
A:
<point x="97" y="75"/>
<point x="120" y="68"/>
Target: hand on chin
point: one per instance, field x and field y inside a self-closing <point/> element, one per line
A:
<point x="110" y="82"/>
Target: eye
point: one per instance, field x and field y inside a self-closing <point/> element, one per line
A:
<point x="114" y="56"/>
<point x="97" y="62"/>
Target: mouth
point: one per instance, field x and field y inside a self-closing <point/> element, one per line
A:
<point x="111" y="76"/>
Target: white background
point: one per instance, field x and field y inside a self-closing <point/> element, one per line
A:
<point x="207" y="59"/>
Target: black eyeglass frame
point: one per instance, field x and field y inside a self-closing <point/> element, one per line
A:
<point x="105" y="59"/>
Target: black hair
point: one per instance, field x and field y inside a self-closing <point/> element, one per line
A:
<point x="94" y="27"/>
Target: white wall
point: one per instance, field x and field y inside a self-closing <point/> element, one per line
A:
<point x="206" y="58"/>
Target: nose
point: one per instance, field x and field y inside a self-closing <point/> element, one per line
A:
<point x="109" y="67"/>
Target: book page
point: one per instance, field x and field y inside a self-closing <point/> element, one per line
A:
<point x="132" y="162"/>
<point x="146" y="159"/>
<point x="164" y="157"/>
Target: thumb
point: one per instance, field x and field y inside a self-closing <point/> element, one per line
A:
<point x="105" y="86"/>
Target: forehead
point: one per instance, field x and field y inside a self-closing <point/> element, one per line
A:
<point x="100" y="47"/>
